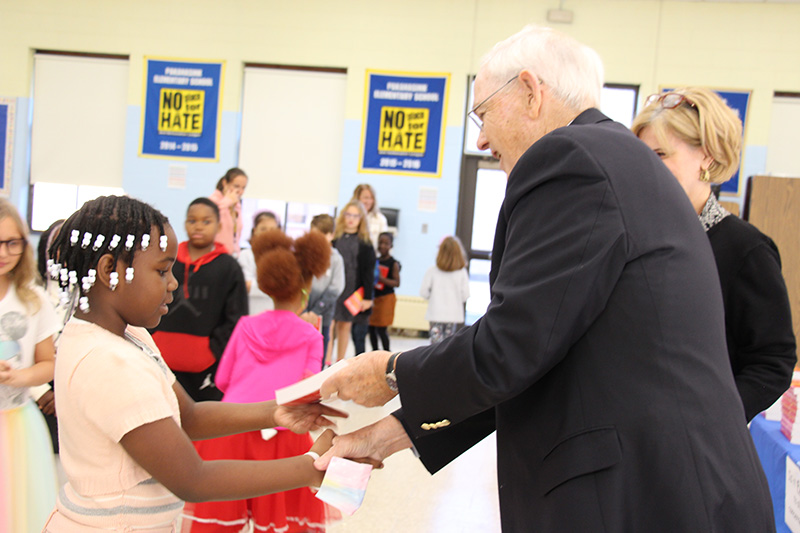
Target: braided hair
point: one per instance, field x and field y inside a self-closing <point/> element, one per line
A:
<point x="77" y="247"/>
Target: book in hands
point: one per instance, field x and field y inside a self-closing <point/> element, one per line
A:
<point x="353" y="302"/>
<point x="383" y="272"/>
<point x="306" y="390"/>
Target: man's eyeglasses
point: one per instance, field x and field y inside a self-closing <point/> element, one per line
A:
<point x="668" y="100"/>
<point x="474" y="116"/>
<point x="14" y="246"/>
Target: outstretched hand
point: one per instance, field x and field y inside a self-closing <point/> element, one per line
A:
<point x="371" y="444"/>
<point x="306" y="417"/>
<point x="362" y="380"/>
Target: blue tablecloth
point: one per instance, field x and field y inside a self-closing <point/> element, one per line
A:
<point x="772" y="448"/>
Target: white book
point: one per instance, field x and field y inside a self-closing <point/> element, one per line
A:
<point x="307" y="390"/>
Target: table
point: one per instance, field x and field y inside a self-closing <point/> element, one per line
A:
<point x="772" y="447"/>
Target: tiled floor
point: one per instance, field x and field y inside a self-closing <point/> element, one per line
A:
<point x="404" y="498"/>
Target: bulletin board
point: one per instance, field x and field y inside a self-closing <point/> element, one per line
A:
<point x="7" y="106"/>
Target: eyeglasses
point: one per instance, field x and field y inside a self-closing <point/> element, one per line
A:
<point x="351" y="215"/>
<point x="474" y="116"/>
<point x="14" y="246"/>
<point x="668" y="100"/>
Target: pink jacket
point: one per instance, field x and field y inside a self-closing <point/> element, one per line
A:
<point x="266" y="352"/>
<point x="227" y="223"/>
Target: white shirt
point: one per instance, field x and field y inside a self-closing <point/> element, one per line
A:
<point x="446" y="293"/>
<point x="258" y="301"/>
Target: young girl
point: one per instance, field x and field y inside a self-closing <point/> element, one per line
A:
<point x="376" y="221"/>
<point x="352" y="241"/>
<point x="27" y="325"/>
<point x="228" y="197"/>
<point x="446" y="287"/>
<point x="388" y="280"/>
<point x="266" y="352"/>
<point x="210" y="300"/>
<point x="125" y="424"/>
<point x="258" y="301"/>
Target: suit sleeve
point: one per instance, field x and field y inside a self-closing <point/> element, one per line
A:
<point x="559" y="250"/>
<point x="760" y="321"/>
<point x="235" y="307"/>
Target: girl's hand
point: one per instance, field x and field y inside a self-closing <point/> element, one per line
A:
<point x="232" y="194"/>
<point x="321" y="445"/>
<point x="365" y="304"/>
<point x="47" y="403"/>
<point x="306" y="417"/>
<point x="8" y="374"/>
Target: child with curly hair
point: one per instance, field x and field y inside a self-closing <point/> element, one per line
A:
<point x="266" y="352"/>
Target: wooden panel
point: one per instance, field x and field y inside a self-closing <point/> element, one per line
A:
<point x="732" y="207"/>
<point x="774" y="208"/>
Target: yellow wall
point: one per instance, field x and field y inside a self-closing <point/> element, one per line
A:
<point x="649" y="42"/>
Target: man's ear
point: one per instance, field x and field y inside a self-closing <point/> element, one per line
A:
<point x="533" y="91"/>
<point x="105" y="266"/>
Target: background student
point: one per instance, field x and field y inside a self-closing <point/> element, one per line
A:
<point x="376" y="221"/>
<point x="266" y="352"/>
<point x="27" y="326"/>
<point x="388" y="279"/>
<point x="210" y="299"/>
<point x="228" y="197"/>
<point x="352" y="241"/>
<point x="446" y="287"/>
<point x="257" y="300"/>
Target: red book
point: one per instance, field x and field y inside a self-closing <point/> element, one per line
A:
<point x="383" y="271"/>
<point x="353" y="302"/>
<point x="306" y="390"/>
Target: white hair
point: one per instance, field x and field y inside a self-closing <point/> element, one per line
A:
<point x="572" y="71"/>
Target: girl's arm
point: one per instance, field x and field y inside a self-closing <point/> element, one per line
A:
<point x="164" y="450"/>
<point x="39" y="373"/>
<point x="205" y="420"/>
<point x="427" y="284"/>
<point x="394" y="279"/>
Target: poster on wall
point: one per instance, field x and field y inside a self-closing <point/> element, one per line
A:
<point x="736" y="100"/>
<point x="403" y="124"/>
<point x="182" y="109"/>
<point x="6" y="143"/>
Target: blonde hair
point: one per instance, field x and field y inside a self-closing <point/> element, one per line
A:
<point x="451" y="256"/>
<point x="361" y="187"/>
<point x="703" y="121"/>
<point x="24" y="274"/>
<point x="363" y="232"/>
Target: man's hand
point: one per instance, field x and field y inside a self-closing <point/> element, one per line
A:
<point x="370" y="444"/>
<point x="306" y="417"/>
<point x="362" y="380"/>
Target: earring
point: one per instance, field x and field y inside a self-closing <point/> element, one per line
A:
<point x="705" y="176"/>
<point x="113" y="281"/>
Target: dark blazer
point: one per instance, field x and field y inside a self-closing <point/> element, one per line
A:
<point x="601" y="359"/>
<point x="758" y="318"/>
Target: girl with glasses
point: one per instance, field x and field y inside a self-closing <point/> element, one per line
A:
<point x="27" y="325"/>
<point x="699" y="138"/>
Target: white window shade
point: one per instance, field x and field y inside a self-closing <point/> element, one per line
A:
<point x="292" y="129"/>
<point x="79" y="115"/>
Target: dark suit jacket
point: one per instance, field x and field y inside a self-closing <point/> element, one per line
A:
<point x="601" y="359"/>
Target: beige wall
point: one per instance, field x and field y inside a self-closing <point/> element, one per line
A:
<point x="649" y="42"/>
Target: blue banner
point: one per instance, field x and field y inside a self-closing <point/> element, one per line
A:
<point x="6" y="142"/>
<point x="403" y="131"/>
<point x="182" y="107"/>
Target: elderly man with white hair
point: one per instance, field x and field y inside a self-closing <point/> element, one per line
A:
<point x="601" y="360"/>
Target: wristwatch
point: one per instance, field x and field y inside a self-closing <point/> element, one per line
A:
<point x="391" y="377"/>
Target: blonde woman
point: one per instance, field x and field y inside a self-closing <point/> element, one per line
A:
<point x="376" y="221"/>
<point x="351" y="239"/>
<point x="699" y="138"/>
